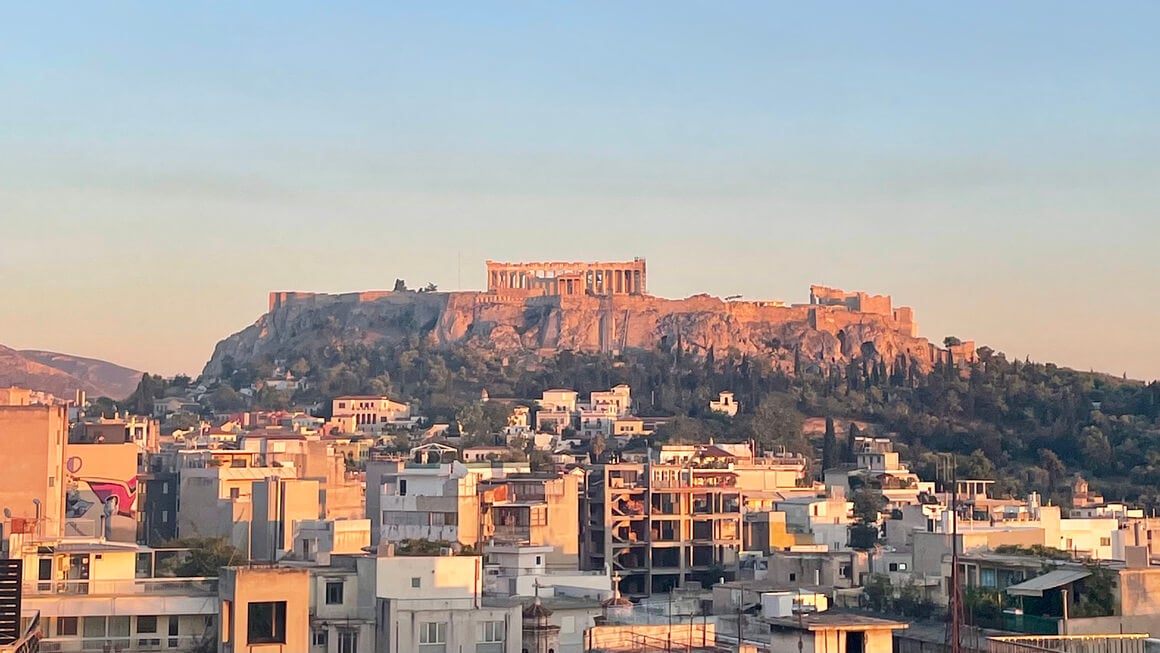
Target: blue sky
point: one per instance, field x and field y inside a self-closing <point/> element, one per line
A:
<point x="995" y="165"/>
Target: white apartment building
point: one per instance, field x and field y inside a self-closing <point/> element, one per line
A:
<point x="725" y="404"/>
<point x="95" y="595"/>
<point x="370" y="414"/>
<point x="436" y="605"/>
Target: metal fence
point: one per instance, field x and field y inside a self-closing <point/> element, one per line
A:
<point x="1129" y="643"/>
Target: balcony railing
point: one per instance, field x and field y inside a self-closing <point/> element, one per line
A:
<point x="137" y="643"/>
<point x="147" y="586"/>
<point x="512" y="533"/>
<point x="1127" y="643"/>
<point x="30" y="635"/>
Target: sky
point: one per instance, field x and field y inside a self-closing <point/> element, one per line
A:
<point x="995" y="165"/>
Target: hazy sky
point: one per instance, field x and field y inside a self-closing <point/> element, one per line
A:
<point x="995" y="165"/>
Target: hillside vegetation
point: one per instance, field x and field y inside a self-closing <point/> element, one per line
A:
<point x="1028" y="426"/>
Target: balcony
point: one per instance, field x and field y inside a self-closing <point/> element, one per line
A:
<point x="139" y="643"/>
<point x="133" y="587"/>
<point x="512" y="534"/>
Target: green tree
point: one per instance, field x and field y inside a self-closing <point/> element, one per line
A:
<point x="849" y="452"/>
<point x="225" y="399"/>
<point x="104" y="407"/>
<point x="206" y="557"/>
<point x="830" y="455"/>
<point x="868" y="504"/>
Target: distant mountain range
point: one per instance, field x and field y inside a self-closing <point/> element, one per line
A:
<point x="62" y="375"/>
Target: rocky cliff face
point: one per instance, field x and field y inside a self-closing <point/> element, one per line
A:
<point x="540" y="326"/>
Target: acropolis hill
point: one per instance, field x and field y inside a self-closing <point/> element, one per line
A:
<point x="534" y="310"/>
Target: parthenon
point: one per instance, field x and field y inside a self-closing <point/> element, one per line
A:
<point x="556" y="278"/>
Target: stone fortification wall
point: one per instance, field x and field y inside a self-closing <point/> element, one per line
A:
<point x="515" y="324"/>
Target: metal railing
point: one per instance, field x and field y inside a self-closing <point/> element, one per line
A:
<point x="30" y="627"/>
<point x="153" y="586"/>
<point x="137" y="643"/>
<point x="1128" y="643"/>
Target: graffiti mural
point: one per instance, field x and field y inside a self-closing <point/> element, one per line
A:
<point x="101" y="493"/>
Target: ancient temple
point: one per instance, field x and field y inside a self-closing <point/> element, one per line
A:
<point x="559" y="278"/>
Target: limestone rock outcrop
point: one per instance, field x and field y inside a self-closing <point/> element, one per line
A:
<point x="536" y="327"/>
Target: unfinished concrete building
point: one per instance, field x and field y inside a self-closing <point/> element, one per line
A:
<point x="661" y="525"/>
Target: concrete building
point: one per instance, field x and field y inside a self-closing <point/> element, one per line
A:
<point x="264" y="609"/>
<point x="662" y="525"/>
<point x="534" y="509"/>
<point x="33" y="486"/>
<point x="217" y="495"/>
<point x="829" y="632"/>
<point x="724" y="404"/>
<point x="95" y="595"/>
<point x="556" y="411"/>
<point x="431" y="501"/>
<point x="826" y="519"/>
<point x="524" y="570"/>
<point x="369" y="414"/>
<point x="678" y="518"/>
<point x="436" y="605"/>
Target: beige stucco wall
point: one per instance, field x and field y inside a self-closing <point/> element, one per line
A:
<point x="39" y="433"/>
<point x="240" y="586"/>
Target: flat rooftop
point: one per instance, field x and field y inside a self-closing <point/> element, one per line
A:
<point x="841" y="620"/>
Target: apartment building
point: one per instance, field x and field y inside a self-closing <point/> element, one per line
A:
<point x="264" y="609"/>
<point x="662" y="525"/>
<point x="97" y="595"/>
<point x="32" y="487"/>
<point x="369" y="414"/>
<point x="435" y="604"/>
<point x="534" y="509"/>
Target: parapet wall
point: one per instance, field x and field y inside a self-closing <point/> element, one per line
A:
<point x="285" y="298"/>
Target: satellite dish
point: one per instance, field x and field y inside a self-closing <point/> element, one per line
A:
<point x="8" y="513"/>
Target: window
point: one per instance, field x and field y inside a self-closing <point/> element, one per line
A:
<point x="66" y="626"/>
<point x="348" y="641"/>
<point x="164" y="516"/>
<point x="416" y="581"/>
<point x="93" y="627"/>
<point x="1105" y="541"/>
<point x="334" y="592"/>
<point x="539" y="560"/>
<point x="402" y="487"/>
<point x="434" y="634"/>
<point x="235" y="492"/>
<point x="165" y="488"/>
<point x="792" y="577"/>
<point x="318" y="637"/>
<point x="51" y="481"/>
<point x="489" y="637"/>
<point x="267" y="623"/>
<point x="146" y="625"/>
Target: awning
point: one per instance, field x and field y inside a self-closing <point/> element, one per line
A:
<point x="1049" y="581"/>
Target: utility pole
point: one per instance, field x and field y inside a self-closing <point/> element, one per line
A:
<point x="955" y="594"/>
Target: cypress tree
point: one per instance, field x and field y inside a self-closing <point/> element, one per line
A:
<point x="848" y="453"/>
<point x="830" y="453"/>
